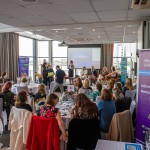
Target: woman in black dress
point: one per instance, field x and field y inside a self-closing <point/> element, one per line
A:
<point x="44" y="73"/>
<point x="71" y="71"/>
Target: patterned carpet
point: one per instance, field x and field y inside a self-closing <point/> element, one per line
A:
<point x="5" y="140"/>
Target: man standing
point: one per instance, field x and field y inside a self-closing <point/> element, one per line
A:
<point x="59" y="78"/>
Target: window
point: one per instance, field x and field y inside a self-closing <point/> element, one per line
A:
<point x="26" y="50"/>
<point x="127" y="50"/>
<point x="43" y="53"/>
<point x="59" y="56"/>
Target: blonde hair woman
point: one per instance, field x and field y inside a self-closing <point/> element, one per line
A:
<point x="41" y="94"/>
<point x="86" y="87"/>
<point x="128" y="86"/>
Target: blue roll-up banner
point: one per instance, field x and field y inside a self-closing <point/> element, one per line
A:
<point x="23" y="66"/>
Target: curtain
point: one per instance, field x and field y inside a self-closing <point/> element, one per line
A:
<point x="106" y="55"/>
<point x="9" y="55"/>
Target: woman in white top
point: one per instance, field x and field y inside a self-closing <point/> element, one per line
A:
<point x="84" y="73"/>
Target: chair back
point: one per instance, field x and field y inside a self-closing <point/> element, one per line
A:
<point x="43" y="134"/>
<point x="121" y="127"/>
<point x="22" y="88"/>
<point x="83" y="133"/>
<point x="131" y="94"/>
<point x="1" y="107"/>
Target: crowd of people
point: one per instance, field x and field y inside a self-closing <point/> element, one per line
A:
<point x="96" y="97"/>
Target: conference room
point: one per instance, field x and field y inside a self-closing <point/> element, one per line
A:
<point x="74" y="74"/>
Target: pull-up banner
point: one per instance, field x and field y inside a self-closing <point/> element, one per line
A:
<point x="23" y="66"/>
<point x="143" y="109"/>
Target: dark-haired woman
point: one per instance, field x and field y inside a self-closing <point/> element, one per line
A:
<point x="49" y="110"/>
<point x="71" y="71"/>
<point x="21" y="101"/>
<point x="107" y="109"/>
<point x="44" y="73"/>
<point x="8" y="97"/>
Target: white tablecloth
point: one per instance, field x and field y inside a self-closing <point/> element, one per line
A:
<point x="114" y="145"/>
<point x="33" y="87"/>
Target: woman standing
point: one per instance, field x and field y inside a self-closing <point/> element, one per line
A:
<point x="44" y="73"/>
<point x="50" y="72"/>
<point x="71" y="71"/>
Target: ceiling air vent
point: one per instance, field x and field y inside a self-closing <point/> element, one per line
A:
<point x="140" y="4"/>
<point x="29" y="1"/>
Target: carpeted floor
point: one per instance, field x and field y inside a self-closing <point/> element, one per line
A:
<point x="5" y="139"/>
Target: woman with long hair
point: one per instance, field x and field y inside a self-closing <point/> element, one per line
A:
<point x="128" y="86"/>
<point x="49" y="110"/>
<point x="40" y="96"/>
<point x="71" y="71"/>
<point x="78" y="84"/>
<point x="8" y="97"/>
<point x="44" y="72"/>
<point x="84" y="108"/>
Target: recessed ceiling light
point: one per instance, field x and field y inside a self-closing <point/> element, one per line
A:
<point x="60" y="29"/>
<point x="78" y="28"/>
<point x="56" y="31"/>
<point x="29" y="1"/>
<point x="99" y="36"/>
<point x="93" y="30"/>
<point x="38" y="30"/>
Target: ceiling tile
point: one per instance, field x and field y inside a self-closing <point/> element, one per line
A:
<point x="110" y="4"/>
<point x="57" y="17"/>
<point x="45" y="9"/>
<point x="36" y="20"/>
<point x="138" y="13"/>
<point x="8" y="4"/>
<point x="18" y="12"/>
<point x="77" y="6"/>
<point x="84" y="16"/>
<point x="112" y="14"/>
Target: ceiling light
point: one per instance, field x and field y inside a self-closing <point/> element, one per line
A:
<point x="99" y="36"/>
<point x="78" y="28"/>
<point x="59" y="29"/>
<point x="93" y="30"/>
<point x="29" y="1"/>
<point x="38" y="30"/>
<point x="56" y="31"/>
<point x="134" y="31"/>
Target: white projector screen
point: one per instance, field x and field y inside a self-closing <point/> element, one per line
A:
<point x="84" y="57"/>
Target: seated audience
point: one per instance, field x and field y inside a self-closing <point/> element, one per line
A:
<point x="106" y="108"/>
<point x="104" y="73"/>
<point x="21" y="101"/>
<point x="93" y="75"/>
<point x="128" y="86"/>
<point x="77" y="84"/>
<point x="3" y="78"/>
<point x="24" y="82"/>
<point x="39" y="76"/>
<point x="86" y="89"/>
<point x="96" y="93"/>
<point x="49" y="110"/>
<point x="84" y="73"/>
<point x="40" y="96"/>
<point x="8" y="98"/>
<point x="19" y="122"/>
<point x="84" y="108"/>
<point x="84" y="130"/>
<point x="122" y="103"/>
<point x="110" y="85"/>
<point x="113" y="74"/>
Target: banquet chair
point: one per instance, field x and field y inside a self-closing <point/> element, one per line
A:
<point x="83" y="134"/>
<point x="43" y="134"/>
<point x="1" y="118"/>
<point x="121" y="127"/>
<point x="22" y="88"/>
<point x="130" y="94"/>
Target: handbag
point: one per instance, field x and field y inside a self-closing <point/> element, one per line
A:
<point x="50" y="74"/>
